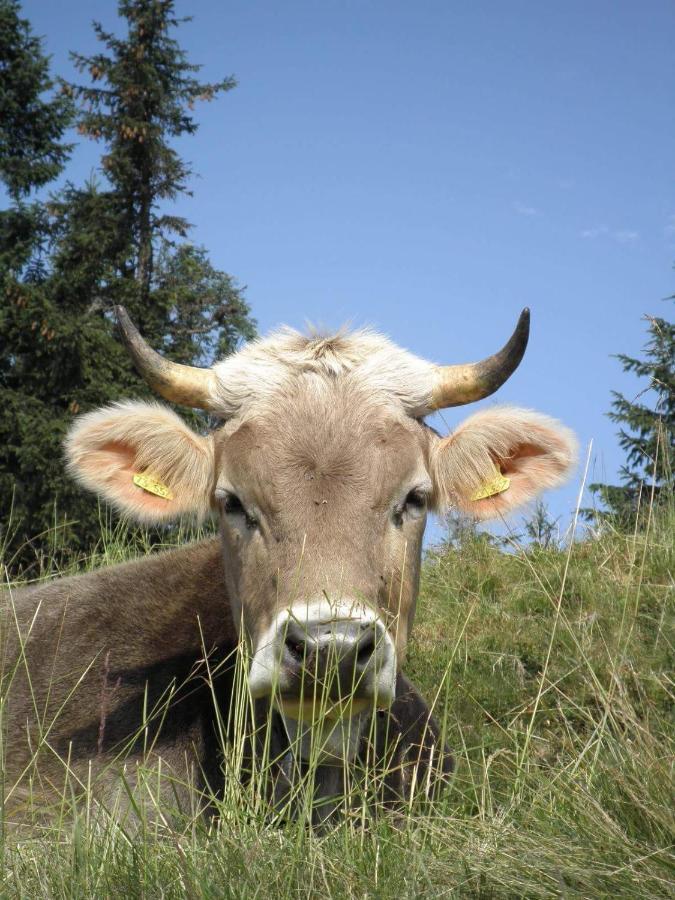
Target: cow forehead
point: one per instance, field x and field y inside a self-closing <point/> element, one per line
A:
<point x="322" y="434"/>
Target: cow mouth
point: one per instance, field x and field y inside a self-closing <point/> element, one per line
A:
<point x="333" y="710"/>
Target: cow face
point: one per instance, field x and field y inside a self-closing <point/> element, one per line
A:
<point x="321" y="476"/>
<point x="322" y="504"/>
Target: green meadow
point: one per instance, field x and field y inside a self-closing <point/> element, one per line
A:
<point x="551" y="671"/>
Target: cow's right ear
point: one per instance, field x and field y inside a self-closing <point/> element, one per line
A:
<point x="144" y="459"/>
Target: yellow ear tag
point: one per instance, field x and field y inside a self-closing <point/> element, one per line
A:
<point x="496" y="485"/>
<point x="153" y="486"/>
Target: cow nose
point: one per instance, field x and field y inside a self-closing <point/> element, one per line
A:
<point x="345" y="644"/>
<point x="315" y="650"/>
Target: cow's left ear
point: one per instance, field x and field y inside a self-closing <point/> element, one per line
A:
<point x="499" y="459"/>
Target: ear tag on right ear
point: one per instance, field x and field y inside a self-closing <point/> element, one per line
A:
<point x="496" y="485"/>
<point x="152" y="486"/>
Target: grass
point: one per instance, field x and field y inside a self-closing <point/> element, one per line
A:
<point x="552" y="673"/>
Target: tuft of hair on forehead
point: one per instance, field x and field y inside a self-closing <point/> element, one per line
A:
<point x="269" y="365"/>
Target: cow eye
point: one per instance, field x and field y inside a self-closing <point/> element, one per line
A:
<point x="416" y="502"/>
<point x="233" y="507"/>
<point x="413" y="507"/>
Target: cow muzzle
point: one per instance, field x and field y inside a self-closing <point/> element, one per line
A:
<point x="325" y="659"/>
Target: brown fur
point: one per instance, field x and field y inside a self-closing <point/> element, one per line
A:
<point x="322" y="448"/>
<point x="87" y="658"/>
<point x="79" y="651"/>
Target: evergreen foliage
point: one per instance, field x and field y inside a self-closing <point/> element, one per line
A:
<point x="67" y="259"/>
<point x="142" y="96"/>
<point x="32" y="153"/>
<point x="31" y="128"/>
<point x="647" y="433"/>
<point x="540" y="528"/>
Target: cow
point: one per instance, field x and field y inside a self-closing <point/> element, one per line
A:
<point x="137" y="662"/>
<point x="321" y="473"/>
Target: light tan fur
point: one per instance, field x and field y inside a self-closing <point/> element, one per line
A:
<point x="322" y="446"/>
<point x="533" y="451"/>
<point x="106" y="448"/>
<point x="264" y="367"/>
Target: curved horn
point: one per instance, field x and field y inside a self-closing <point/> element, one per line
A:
<point x="187" y="385"/>
<point x="456" y="385"/>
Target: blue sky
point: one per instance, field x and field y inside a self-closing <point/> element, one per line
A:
<point x="432" y="168"/>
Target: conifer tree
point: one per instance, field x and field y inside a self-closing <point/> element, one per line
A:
<point x="102" y="243"/>
<point x="208" y="315"/>
<point x="647" y="433"/>
<point x="32" y="154"/>
<point x="32" y="151"/>
<point x="32" y="126"/>
<point x="142" y="96"/>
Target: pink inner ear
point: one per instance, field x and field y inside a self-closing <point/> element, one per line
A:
<point x="123" y="455"/>
<point x="530" y="468"/>
<point x="106" y="448"/>
<point x="533" y="451"/>
<point x="114" y="466"/>
<point x="522" y="455"/>
<point x="535" y="464"/>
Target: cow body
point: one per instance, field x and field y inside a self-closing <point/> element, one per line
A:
<point x="135" y="664"/>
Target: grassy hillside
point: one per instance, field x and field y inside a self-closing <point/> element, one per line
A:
<point x="552" y="672"/>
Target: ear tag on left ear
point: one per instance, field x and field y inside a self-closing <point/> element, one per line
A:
<point x="496" y="485"/>
<point x="152" y="486"/>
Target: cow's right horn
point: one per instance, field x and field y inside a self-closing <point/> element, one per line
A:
<point x="186" y="385"/>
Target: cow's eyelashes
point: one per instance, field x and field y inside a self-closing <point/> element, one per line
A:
<point x="413" y="507"/>
<point x="416" y="501"/>
<point x="233" y="507"/>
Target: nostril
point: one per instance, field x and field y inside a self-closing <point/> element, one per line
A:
<point x="296" y="648"/>
<point x="366" y="648"/>
<point x="295" y="643"/>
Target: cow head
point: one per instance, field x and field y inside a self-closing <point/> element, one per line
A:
<point x="321" y="473"/>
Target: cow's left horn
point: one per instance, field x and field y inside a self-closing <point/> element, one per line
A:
<point x="456" y="385"/>
<point x="186" y="385"/>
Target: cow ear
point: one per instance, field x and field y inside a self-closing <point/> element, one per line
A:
<point x="499" y="459"/>
<point x="144" y="459"/>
